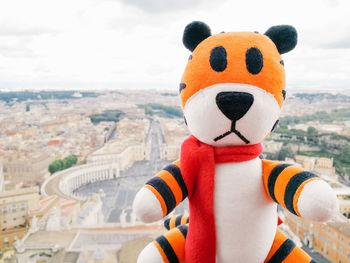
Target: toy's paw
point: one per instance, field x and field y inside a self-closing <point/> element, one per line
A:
<point x="318" y="201"/>
<point x="150" y="254"/>
<point x="147" y="206"/>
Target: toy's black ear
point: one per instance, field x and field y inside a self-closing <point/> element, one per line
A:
<point x="285" y="37"/>
<point x="195" y="33"/>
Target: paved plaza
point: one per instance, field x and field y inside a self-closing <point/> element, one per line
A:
<point x="118" y="194"/>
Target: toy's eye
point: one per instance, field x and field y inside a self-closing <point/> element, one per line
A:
<point x="218" y="59"/>
<point x="254" y="60"/>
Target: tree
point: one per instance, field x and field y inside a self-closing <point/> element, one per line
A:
<point x="286" y="151"/>
<point x="148" y="110"/>
<point x="53" y="167"/>
<point x="311" y="131"/>
<point x="345" y="154"/>
<point x="62" y="164"/>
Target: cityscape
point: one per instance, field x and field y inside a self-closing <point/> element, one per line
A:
<point x="71" y="163"/>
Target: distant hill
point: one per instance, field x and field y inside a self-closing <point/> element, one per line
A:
<point x="312" y="97"/>
<point x="320" y="116"/>
<point x="18" y="96"/>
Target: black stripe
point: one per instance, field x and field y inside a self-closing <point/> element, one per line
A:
<point x="165" y="191"/>
<point x="273" y="177"/>
<point x="175" y="171"/>
<point x="168" y="250"/>
<point x="283" y="252"/>
<point x="183" y="230"/>
<point x="188" y="220"/>
<point x="178" y="220"/>
<point x="293" y="186"/>
<point x="166" y="223"/>
<point x="313" y="261"/>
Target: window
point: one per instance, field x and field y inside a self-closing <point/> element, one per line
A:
<point x="329" y="231"/>
<point x="348" y="256"/>
<point x="6" y="242"/>
<point x="342" y="239"/>
<point x="335" y="246"/>
<point x="4" y="209"/>
<point x="23" y="206"/>
<point x="341" y="250"/>
<point x="335" y="234"/>
<point x="14" y="208"/>
<point x="328" y="242"/>
<point x="322" y="238"/>
<point x="316" y="233"/>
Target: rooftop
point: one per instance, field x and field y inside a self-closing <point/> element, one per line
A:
<point x="129" y="132"/>
<point x="21" y="191"/>
<point x="175" y="131"/>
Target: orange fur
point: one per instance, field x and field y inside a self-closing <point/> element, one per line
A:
<point x="159" y="197"/>
<point x="161" y="252"/>
<point x="199" y="74"/>
<point x="169" y="179"/>
<point x="177" y="242"/>
<point x="278" y="241"/>
<point x="267" y="167"/>
<point x="283" y="180"/>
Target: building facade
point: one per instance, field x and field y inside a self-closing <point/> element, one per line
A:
<point x="332" y="240"/>
<point x="16" y="210"/>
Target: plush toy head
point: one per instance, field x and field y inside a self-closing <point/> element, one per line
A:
<point x="233" y="86"/>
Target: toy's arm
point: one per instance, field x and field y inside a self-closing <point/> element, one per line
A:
<point x="161" y="194"/>
<point x="300" y="192"/>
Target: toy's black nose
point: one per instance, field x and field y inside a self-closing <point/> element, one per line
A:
<point x="234" y="104"/>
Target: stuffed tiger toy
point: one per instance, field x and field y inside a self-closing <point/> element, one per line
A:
<point x="232" y="92"/>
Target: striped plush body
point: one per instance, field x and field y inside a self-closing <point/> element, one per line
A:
<point x="232" y="92"/>
<point x="264" y="183"/>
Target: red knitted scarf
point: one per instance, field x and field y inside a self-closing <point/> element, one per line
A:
<point x="198" y="170"/>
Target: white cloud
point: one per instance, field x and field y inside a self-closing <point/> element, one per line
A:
<point x="104" y="44"/>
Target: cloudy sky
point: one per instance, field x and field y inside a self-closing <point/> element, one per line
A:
<point x="91" y="44"/>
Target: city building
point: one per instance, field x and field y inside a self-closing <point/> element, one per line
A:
<point x="129" y="145"/>
<point x="344" y="205"/>
<point x="325" y="166"/>
<point x="27" y="168"/>
<point x="2" y="180"/>
<point x="306" y="162"/>
<point x="332" y="240"/>
<point x="175" y="132"/>
<point x="17" y="208"/>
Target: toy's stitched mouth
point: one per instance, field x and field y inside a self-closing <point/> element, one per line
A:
<point x="233" y="130"/>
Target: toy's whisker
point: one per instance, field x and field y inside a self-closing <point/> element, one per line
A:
<point x="240" y="136"/>
<point x="222" y="136"/>
<point x="233" y="130"/>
